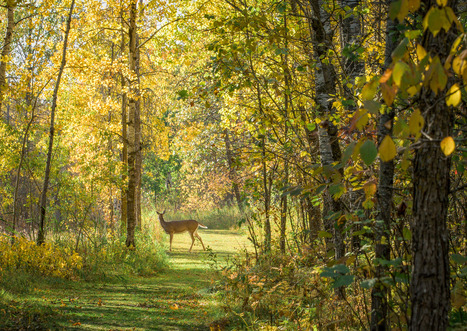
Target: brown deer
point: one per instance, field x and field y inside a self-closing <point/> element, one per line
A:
<point x="181" y="226"/>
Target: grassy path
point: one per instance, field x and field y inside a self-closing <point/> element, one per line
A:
<point x="178" y="299"/>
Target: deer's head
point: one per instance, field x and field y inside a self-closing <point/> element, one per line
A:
<point x="161" y="215"/>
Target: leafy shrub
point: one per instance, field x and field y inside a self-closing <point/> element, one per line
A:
<point x="47" y="259"/>
<point x="287" y="292"/>
<point x="108" y="256"/>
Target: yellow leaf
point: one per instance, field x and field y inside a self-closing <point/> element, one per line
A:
<point x="404" y="10"/>
<point x="434" y="21"/>
<point x="457" y="65"/>
<point x="387" y="149"/>
<point x="416" y="122"/>
<point x="174" y="306"/>
<point x="448" y="145"/>
<point x="421" y="52"/>
<point x="454" y="96"/>
<point x="370" y="189"/>
<point x="399" y="69"/>
<point x="412" y="90"/>
<point x="389" y="93"/>
<point x="385" y="77"/>
<point x="442" y="3"/>
<point x="414" y="5"/>
<point x="369" y="90"/>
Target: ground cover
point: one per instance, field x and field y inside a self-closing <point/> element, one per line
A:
<point x="181" y="298"/>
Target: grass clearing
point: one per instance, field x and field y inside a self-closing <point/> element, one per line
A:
<point x="179" y="298"/>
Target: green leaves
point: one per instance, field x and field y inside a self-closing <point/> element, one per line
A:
<point x="437" y="19"/>
<point x="339" y="274"/>
<point x="368" y="152"/>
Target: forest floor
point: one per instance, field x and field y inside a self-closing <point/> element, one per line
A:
<point x="177" y="299"/>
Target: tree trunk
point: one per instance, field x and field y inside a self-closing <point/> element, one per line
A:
<point x="325" y="86"/>
<point x="353" y="67"/>
<point x="132" y="134"/>
<point x="267" y="200"/>
<point x="429" y="287"/>
<point x="379" y="294"/>
<point x="124" y="191"/>
<point x="10" y="4"/>
<point x="139" y="157"/>
<point x="43" y="199"/>
<point x="232" y="172"/>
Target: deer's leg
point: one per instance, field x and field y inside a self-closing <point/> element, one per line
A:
<point x="192" y="240"/>
<point x="171" y="237"/>
<point x="197" y="236"/>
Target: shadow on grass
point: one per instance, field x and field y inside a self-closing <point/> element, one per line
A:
<point x="176" y="299"/>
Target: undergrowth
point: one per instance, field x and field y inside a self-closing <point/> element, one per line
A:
<point x="282" y="292"/>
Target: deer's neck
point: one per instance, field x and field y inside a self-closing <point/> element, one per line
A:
<point x="163" y="223"/>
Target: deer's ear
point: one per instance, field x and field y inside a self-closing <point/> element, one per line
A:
<point x="163" y="212"/>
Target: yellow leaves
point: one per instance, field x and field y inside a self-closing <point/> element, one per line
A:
<point x="174" y="306"/>
<point x="387" y="149"/>
<point x="45" y="259"/>
<point x="440" y="18"/>
<point x="454" y="96"/>
<point x="436" y="76"/>
<point x="448" y="145"/>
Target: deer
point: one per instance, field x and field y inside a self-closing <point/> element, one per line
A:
<point x="181" y="226"/>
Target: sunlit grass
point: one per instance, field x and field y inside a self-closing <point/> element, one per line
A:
<point x="179" y="298"/>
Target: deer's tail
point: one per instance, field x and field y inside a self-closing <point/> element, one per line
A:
<point x="202" y="226"/>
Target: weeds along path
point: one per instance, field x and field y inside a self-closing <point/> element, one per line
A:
<point x="178" y="299"/>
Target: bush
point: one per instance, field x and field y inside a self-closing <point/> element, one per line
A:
<point x="47" y="260"/>
<point x="108" y="256"/>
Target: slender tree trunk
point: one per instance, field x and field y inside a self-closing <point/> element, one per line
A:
<point x="379" y="295"/>
<point x="351" y="40"/>
<point x="10" y="4"/>
<point x="232" y="173"/>
<point x="267" y="199"/>
<point x="330" y="152"/>
<point x="132" y="134"/>
<point x="124" y="190"/>
<point x="43" y="199"/>
<point x="18" y="173"/>
<point x="139" y="160"/>
<point x="429" y="287"/>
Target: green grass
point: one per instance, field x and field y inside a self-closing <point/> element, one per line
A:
<point x="177" y="299"/>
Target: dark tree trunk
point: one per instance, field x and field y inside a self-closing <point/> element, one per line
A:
<point x="429" y="287"/>
<point x="379" y="294"/>
<point x="43" y="199"/>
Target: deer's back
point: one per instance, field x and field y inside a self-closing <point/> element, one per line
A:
<point x="181" y="226"/>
